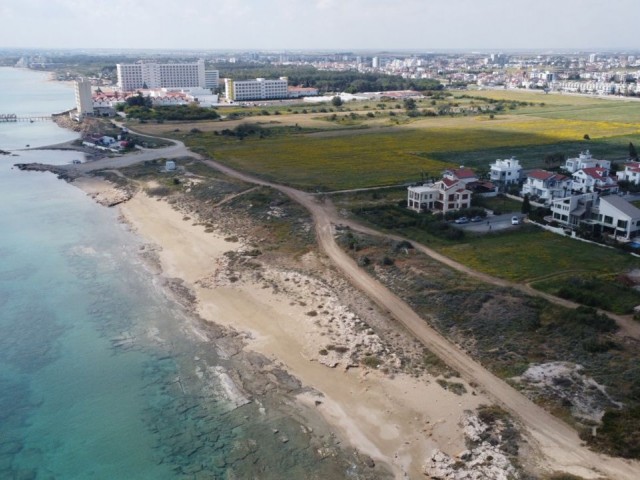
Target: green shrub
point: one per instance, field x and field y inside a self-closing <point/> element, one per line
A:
<point x="619" y="433"/>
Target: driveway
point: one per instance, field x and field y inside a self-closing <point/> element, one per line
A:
<point x="492" y="223"/>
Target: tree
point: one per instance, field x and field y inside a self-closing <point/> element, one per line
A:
<point x="526" y="205"/>
<point x="336" y="101"/>
<point x="633" y="154"/>
<point x="410" y="104"/>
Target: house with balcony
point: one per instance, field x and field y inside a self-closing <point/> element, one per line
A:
<point x="594" y="179"/>
<point x="573" y="210"/>
<point x="443" y="196"/>
<point x="612" y="214"/>
<point x="617" y="217"/>
<point x="544" y="186"/>
<point x="585" y="160"/>
<point x="631" y="173"/>
<point x="505" y="172"/>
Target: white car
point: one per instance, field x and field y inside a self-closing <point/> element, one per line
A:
<point x="515" y="220"/>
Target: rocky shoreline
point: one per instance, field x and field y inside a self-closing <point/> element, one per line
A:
<point x="361" y="360"/>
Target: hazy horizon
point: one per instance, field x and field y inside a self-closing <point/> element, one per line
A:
<point x="321" y="25"/>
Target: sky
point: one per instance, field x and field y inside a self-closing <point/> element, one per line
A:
<point x="337" y="25"/>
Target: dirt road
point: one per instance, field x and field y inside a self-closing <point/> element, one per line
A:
<point x="559" y="443"/>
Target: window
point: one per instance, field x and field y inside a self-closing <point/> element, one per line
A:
<point x="608" y="219"/>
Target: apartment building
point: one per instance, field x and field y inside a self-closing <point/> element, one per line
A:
<point x="84" y="101"/>
<point x="164" y="75"/>
<point x="258" y="89"/>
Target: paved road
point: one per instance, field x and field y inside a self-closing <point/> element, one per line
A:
<point x="492" y="223"/>
<point x="177" y="150"/>
<point x="558" y="442"/>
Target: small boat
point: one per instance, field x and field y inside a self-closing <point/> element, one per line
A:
<point x="27" y="145"/>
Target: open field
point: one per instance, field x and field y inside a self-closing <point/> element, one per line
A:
<point x="372" y="151"/>
<point x="609" y="292"/>
<point x="568" y="106"/>
<point x="527" y="254"/>
<point x="381" y="156"/>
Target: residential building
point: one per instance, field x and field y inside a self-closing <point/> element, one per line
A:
<point x="594" y="179"/>
<point x="258" y="89"/>
<point x="464" y="175"/>
<point x="422" y="197"/>
<point x="631" y="173"/>
<point x="618" y="217"/>
<point x="84" y="101"/>
<point x="505" y="172"/>
<point x="585" y="160"/>
<point x="571" y="211"/>
<point x="443" y="196"/>
<point x="161" y="75"/>
<point x="545" y="186"/>
<point x="612" y="214"/>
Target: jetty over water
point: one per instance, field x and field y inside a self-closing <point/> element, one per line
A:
<point x="12" y="118"/>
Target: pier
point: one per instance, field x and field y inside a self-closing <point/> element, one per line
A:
<point x="12" y="118"/>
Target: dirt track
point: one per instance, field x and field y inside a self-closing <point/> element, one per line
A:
<point x="560" y="445"/>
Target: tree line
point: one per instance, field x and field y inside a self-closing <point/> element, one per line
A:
<point x="327" y="81"/>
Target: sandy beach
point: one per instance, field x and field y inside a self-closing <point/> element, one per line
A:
<point x="308" y="320"/>
<point x="397" y="420"/>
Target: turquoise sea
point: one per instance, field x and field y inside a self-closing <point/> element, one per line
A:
<point x="102" y="375"/>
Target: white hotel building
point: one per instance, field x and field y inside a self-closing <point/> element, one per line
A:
<point x="165" y="75"/>
<point x="258" y="89"/>
<point x="84" y="101"/>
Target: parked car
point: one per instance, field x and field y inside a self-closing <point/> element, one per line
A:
<point x="461" y="220"/>
<point x="477" y="218"/>
<point x="515" y="220"/>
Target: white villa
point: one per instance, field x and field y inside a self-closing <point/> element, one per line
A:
<point x="593" y="179"/>
<point x="613" y="214"/>
<point x="505" y="172"/>
<point x="443" y="196"/>
<point x="546" y="186"/>
<point x="585" y="160"/>
<point x="631" y="173"/>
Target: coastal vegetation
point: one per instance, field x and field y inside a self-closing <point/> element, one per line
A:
<point x="508" y="332"/>
<point x="144" y="112"/>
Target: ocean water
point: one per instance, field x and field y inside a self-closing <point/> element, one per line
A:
<point x="102" y="374"/>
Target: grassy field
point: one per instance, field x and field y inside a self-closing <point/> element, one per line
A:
<point x="527" y="254"/>
<point x="339" y="159"/>
<point x="609" y="292"/>
<point x="382" y="150"/>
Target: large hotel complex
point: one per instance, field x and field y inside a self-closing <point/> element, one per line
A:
<point x="258" y="89"/>
<point x="189" y="76"/>
<point x="165" y="75"/>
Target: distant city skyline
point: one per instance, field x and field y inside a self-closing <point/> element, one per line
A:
<point x="321" y="24"/>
